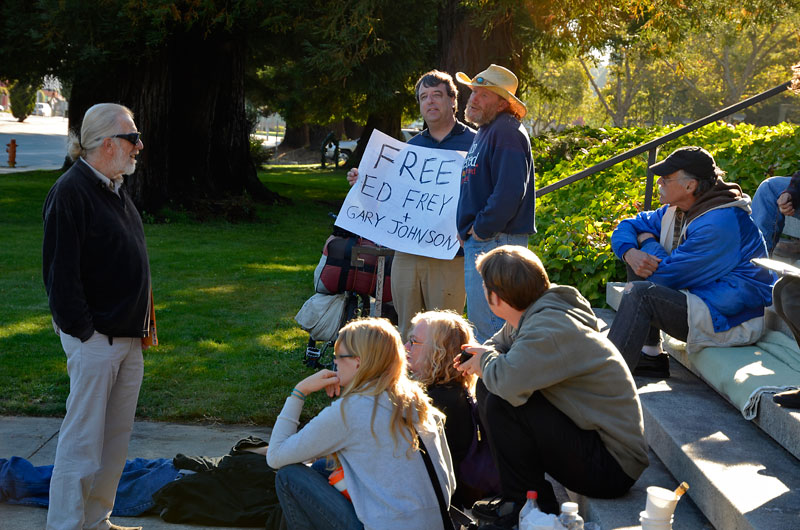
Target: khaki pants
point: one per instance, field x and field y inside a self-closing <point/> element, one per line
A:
<point x="420" y="283"/>
<point x="104" y="382"/>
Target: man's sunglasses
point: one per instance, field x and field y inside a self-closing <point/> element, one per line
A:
<point x="481" y="81"/>
<point x="131" y="137"/>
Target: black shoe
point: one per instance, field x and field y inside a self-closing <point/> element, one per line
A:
<point x="653" y="366"/>
<point x="789" y="399"/>
<point x="496" y="510"/>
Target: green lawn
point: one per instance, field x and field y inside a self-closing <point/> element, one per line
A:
<point x="226" y="295"/>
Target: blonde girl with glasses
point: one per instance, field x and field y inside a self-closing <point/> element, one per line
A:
<point x="371" y="430"/>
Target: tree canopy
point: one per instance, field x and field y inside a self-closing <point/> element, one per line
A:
<point x="186" y="68"/>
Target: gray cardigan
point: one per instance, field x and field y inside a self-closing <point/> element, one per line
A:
<point x="389" y="490"/>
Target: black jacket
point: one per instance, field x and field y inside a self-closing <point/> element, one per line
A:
<point x="94" y="259"/>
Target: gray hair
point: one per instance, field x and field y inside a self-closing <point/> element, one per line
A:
<point x="703" y="184"/>
<point x="99" y="122"/>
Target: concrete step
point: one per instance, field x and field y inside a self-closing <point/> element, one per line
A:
<point x="623" y="513"/>
<point x="781" y="424"/>
<point x="739" y="477"/>
<point x="792" y="227"/>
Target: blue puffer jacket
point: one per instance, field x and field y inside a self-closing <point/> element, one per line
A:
<point x="712" y="261"/>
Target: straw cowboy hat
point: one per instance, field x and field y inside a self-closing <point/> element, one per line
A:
<point x="499" y="80"/>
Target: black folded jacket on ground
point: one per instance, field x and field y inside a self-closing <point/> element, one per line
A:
<point x="237" y="489"/>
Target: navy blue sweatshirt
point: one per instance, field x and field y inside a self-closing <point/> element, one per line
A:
<point x="497" y="182"/>
<point x="94" y="259"/>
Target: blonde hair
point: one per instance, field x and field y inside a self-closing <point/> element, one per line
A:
<point x="447" y="331"/>
<point x="795" y="86"/>
<point x="383" y="369"/>
<point x="99" y="122"/>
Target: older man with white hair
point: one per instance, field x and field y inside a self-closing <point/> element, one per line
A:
<point x="97" y="276"/>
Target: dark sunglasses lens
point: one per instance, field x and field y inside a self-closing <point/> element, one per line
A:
<point x="131" y="137"/>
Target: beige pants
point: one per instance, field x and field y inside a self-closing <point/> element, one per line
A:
<point x="424" y="284"/>
<point x="104" y="382"/>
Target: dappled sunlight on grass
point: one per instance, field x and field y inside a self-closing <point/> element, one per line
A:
<point x="283" y="339"/>
<point x="218" y="289"/>
<point x="274" y="267"/>
<point x="26" y="327"/>
<point x="213" y="345"/>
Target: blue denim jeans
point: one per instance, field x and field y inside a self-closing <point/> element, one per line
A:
<point x="309" y="502"/>
<point x="646" y="308"/>
<point x="484" y="322"/>
<point x="766" y="215"/>
<point x="23" y="483"/>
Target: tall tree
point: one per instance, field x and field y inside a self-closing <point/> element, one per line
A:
<point x="557" y="99"/>
<point x="178" y="66"/>
<point x="350" y="59"/>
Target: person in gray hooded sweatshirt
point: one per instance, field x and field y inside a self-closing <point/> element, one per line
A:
<point x="554" y="394"/>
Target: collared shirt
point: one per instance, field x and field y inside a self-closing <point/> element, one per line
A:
<point x="113" y="185"/>
<point x="458" y="139"/>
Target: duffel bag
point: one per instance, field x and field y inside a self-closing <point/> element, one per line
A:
<point x="338" y="275"/>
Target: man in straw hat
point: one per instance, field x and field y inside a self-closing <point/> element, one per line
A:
<point x="496" y="206"/>
<point x="691" y="258"/>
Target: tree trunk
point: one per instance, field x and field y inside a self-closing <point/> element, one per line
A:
<point x="308" y="135"/>
<point x="194" y="129"/>
<point x="387" y="121"/>
<point x="352" y="129"/>
<point x="316" y="135"/>
<point x="295" y="137"/>
<point x="463" y="47"/>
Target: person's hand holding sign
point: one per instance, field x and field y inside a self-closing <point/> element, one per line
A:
<point x="352" y="176"/>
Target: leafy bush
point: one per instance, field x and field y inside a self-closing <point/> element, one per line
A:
<point x="22" y="97"/>
<point x="260" y="153"/>
<point x="575" y="222"/>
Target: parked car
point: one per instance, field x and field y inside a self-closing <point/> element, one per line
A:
<point x="346" y="149"/>
<point x="42" y="109"/>
<point x="408" y="134"/>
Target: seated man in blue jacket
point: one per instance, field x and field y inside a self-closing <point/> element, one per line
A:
<point x="692" y="256"/>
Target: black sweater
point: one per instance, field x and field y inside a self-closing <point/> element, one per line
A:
<point x="94" y="259"/>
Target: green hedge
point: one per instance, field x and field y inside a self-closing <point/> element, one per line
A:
<point x="575" y="223"/>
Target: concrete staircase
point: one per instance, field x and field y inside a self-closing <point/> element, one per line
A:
<point x="743" y="475"/>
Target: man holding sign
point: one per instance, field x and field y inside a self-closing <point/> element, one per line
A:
<point x="496" y="206"/>
<point x="423" y="283"/>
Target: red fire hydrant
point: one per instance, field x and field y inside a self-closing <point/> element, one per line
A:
<point x="12" y="153"/>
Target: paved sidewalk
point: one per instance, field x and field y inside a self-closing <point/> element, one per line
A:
<point x="41" y="140"/>
<point x="35" y="440"/>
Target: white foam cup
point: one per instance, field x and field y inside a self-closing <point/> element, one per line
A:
<point x="648" y="523"/>
<point x="660" y="503"/>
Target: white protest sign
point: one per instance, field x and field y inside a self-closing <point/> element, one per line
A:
<point x="405" y="198"/>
